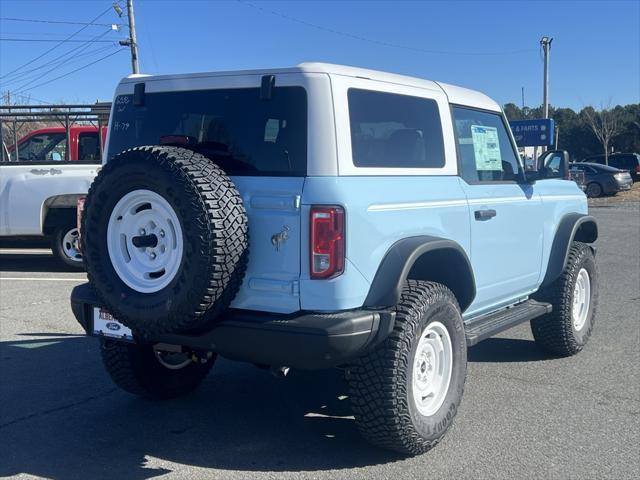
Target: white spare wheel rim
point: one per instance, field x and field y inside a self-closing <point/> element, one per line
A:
<point x="432" y="368"/>
<point x="144" y="239"/>
<point x="581" y="299"/>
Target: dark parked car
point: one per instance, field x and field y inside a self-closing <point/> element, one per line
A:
<point x="623" y="161"/>
<point x="601" y="179"/>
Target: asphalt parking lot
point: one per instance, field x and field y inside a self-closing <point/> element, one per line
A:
<point x="523" y="415"/>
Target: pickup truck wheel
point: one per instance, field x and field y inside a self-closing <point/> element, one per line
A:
<point x="406" y="392"/>
<point x="64" y="244"/>
<point x="164" y="235"/>
<point x="574" y="297"/>
<point x="146" y="372"/>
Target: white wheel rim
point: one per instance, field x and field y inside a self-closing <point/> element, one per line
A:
<point x="144" y="215"/>
<point x="173" y="361"/>
<point x="70" y="245"/>
<point x="432" y="367"/>
<point x="581" y="299"/>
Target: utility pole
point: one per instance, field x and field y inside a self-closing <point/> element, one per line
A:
<point x="546" y="46"/>
<point x="132" y="42"/>
<point x="132" y="37"/>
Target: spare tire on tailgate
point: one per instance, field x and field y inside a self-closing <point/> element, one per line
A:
<point x="164" y="237"/>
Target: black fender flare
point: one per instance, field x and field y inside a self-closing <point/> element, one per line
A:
<point x="422" y="257"/>
<point x="572" y="227"/>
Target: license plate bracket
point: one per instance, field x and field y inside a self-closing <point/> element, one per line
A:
<point x="105" y="325"/>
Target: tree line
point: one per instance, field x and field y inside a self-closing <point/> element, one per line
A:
<point x="589" y="131"/>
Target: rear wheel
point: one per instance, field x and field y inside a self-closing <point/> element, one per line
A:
<point x="64" y="244"/>
<point x="406" y="392"/>
<point x="594" y="190"/>
<point x="144" y="371"/>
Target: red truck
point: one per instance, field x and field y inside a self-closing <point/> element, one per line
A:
<point x="50" y="144"/>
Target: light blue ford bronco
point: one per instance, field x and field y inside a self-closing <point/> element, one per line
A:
<point x="327" y="216"/>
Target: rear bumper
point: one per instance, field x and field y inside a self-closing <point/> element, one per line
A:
<point x="303" y="340"/>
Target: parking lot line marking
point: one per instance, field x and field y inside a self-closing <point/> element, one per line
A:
<point x="320" y="415"/>
<point x="25" y="251"/>
<point x="34" y="345"/>
<point x="44" y="279"/>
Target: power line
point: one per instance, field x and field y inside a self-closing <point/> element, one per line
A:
<point x="73" y="52"/>
<point x="28" y="74"/>
<point x="30" y="98"/>
<point x="58" y="44"/>
<point x="371" y="40"/>
<point x="4" y="39"/>
<point x="17" y="75"/>
<point x="73" y="71"/>
<point x="60" y="22"/>
<point x="57" y="36"/>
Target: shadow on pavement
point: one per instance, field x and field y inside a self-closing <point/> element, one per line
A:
<point x="32" y="262"/>
<point x="506" y="350"/>
<point x="24" y="242"/>
<point x="61" y="417"/>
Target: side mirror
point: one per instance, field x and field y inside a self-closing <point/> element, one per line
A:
<point x="531" y="176"/>
<point x="554" y="164"/>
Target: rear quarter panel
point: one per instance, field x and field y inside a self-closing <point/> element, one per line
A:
<point x="379" y="211"/>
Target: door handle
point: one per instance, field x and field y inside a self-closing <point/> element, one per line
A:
<point x="485" y="214"/>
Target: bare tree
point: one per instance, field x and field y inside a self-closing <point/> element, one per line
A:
<point x="605" y="125"/>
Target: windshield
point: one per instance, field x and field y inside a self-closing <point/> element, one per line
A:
<point x="243" y="134"/>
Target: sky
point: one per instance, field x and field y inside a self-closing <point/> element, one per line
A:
<point x="491" y="46"/>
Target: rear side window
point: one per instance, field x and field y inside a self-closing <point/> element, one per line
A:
<point x="484" y="148"/>
<point x="627" y="162"/>
<point x="394" y="131"/>
<point x="89" y="147"/>
<point x="243" y="134"/>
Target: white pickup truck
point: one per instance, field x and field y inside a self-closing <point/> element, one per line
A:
<point x="38" y="199"/>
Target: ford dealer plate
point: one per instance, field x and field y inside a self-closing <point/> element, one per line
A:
<point x="105" y="325"/>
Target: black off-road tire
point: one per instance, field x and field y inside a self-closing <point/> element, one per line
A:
<point x="214" y="230"/>
<point x="555" y="331"/>
<point x="380" y="382"/>
<point x="57" y="247"/>
<point x="135" y="369"/>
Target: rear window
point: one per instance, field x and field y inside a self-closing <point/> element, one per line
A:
<point x="394" y="131"/>
<point x="241" y="133"/>
<point x="623" y="161"/>
<point x="89" y="147"/>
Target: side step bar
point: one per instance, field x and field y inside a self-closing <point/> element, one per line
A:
<point x="486" y="326"/>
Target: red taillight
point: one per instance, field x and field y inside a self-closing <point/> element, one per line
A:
<point x="327" y="242"/>
<point x="637" y="168"/>
<point x="79" y="210"/>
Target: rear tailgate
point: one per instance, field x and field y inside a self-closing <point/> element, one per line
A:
<point x="272" y="279"/>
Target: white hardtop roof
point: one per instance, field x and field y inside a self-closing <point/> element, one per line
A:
<point x="455" y="94"/>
